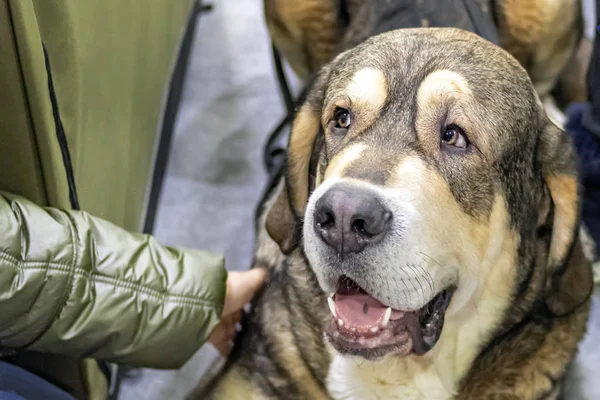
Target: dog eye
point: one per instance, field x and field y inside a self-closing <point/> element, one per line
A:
<point x="454" y="136"/>
<point x="342" y="119"/>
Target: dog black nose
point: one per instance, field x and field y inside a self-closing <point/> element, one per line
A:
<point x="349" y="218"/>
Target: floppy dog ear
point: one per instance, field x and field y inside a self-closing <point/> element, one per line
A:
<point x="569" y="279"/>
<point x="281" y="222"/>
<point x="283" y="219"/>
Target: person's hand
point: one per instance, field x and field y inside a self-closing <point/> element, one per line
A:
<point x="241" y="286"/>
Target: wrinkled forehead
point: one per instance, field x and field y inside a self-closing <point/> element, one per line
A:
<point x="402" y="89"/>
<point x="408" y="53"/>
<point x="398" y="69"/>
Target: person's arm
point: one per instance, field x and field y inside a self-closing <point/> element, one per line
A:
<point x="74" y="284"/>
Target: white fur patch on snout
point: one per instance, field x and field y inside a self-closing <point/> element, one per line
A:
<point x="397" y="277"/>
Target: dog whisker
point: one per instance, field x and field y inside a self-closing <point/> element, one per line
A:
<point x="431" y="258"/>
<point x="417" y="277"/>
<point x="427" y="274"/>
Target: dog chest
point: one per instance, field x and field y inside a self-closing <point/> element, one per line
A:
<point x="356" y="379"/>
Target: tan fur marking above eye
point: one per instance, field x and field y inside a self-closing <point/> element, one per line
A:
<point x="443" y="97"/>
<point x="304" y="132"/>
<point x="564" y="195"/>
<point x="342" y="161"/>
<point x="365" y="95"/>
<point x="440" y="86"/>
<point x="368" y="89"/>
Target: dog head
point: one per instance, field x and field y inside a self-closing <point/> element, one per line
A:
<point x="426" y="181"/>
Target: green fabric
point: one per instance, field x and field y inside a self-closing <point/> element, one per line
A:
<point x="80" y="286"/>
<point x="111" y="62"/>
<point x="27" y="162"/>
<point x="72" y="284"/>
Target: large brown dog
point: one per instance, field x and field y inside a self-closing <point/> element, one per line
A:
<point x="426" y="234"/>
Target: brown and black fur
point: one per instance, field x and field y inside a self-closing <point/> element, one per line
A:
<point x="524" y="163"/>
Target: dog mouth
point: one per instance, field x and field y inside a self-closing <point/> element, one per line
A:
<point x="363" y="326"/>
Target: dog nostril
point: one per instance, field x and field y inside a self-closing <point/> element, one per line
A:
<point x="326" y="220"/>
<point x="371" y="226"/>
<point x="359" y="226"/>
<point x="329" y="220"/>
<point x="387" y="218"/>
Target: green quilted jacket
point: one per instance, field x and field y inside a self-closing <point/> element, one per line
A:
<point x="81" y="286"/>
<point x="82" y="90"/>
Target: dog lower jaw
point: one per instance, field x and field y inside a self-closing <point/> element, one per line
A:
<point x="414" y="332"/>
<point x="373" y="348"/>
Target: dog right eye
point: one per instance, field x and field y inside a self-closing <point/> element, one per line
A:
<point x="454" y="136"/>
<point x="342" y="120"/>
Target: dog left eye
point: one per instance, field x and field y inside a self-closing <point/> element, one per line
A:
<point x="341" y="121"/>
<point x="454" y="136"/>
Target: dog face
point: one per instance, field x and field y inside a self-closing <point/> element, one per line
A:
<point x="426" y="180"/>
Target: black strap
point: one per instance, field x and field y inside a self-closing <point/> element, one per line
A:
<point x="284" y="87"/>
<point x="170" y="115"/>
<point x="61" y="137"/>
<point x="273" y="153"/>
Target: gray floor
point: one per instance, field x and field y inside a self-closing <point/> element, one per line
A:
<point x="215" y="176"/>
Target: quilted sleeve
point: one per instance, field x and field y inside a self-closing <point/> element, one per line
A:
<point x="74" y="284"/>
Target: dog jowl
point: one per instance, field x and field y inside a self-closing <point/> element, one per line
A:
<point x="435" y="209"/>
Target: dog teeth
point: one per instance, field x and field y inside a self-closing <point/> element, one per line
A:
<point x="331" y="304"/>
<point x="340" y="322"/>
<point x="386" y="318"/>
<point x="374" y="329"/>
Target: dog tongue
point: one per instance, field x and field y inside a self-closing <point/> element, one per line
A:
<point x="359" y="310"/>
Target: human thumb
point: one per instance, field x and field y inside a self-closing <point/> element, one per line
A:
<point x="241" y="286"/>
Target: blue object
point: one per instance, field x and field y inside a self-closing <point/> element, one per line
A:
<point x="19" y="384"/>
<point x="585" y="132"/>
<point x="10" y="396"/>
